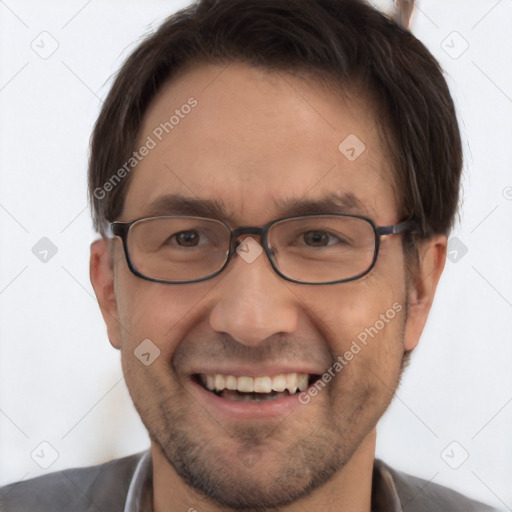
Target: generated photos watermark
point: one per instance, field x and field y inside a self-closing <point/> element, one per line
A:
<point x="151" y="143"/>
<point x="356" y="347"/>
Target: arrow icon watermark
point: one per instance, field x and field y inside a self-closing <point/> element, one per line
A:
<point x="147" y="352"/>
<point x="44" y="250"/>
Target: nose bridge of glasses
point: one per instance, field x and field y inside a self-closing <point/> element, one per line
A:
<point x="242" y="231"/>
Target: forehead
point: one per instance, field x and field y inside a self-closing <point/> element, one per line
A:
<point x="259" y="144"/>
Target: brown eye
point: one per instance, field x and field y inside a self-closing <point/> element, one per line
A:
<point x="316" y="237"/>
<point x="187" y="238"/>
<point x="321" y="239"/>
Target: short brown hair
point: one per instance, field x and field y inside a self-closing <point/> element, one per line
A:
<point x="346" y="40"/>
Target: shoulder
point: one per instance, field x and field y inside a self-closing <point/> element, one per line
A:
<point x="101" y="487"/>
<point x="419" y="495"/>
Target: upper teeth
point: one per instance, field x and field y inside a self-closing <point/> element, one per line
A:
<point x="290" y="381"/>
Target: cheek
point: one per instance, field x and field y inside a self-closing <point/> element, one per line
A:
<point x="156" y="311"/>
<point x="363" y="324"/>
<point x="369" y="357"/>
<point x="350" y="311"/>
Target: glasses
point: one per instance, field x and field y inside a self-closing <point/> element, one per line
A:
<point x="305" y="249"/>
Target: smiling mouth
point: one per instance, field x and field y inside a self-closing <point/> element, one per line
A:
<point x="255" y="389"/>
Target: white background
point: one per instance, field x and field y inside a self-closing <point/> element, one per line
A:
<point x="61" y="381"/>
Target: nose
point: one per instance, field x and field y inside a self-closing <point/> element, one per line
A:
<point x="252" y="302"/>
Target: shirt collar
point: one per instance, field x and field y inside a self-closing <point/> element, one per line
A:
<point x="385" y="497"/>
<point x="140" y="485"/>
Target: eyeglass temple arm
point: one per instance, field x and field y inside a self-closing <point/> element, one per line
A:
<point x="405" y="225"/>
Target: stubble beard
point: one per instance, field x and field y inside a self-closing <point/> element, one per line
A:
<point x="303" y="466"/>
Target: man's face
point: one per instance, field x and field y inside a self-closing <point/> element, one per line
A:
<point x="254" y="138"/>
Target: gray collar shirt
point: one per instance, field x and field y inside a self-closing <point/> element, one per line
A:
<point x="125" y="485"/>
<point x="385" y="496"/>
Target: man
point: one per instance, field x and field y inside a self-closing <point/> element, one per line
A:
<point x="274" y="183"/>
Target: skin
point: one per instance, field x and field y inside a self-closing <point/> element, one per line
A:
<point x="254" y="136"/>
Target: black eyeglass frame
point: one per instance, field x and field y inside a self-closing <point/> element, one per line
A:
<point x="121" y="230"/>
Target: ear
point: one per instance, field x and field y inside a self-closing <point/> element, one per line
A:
<point x="431" y="260"/>
<point x="102" y="278"/>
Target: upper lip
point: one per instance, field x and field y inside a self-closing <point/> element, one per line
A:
<point x="256" y="371"/>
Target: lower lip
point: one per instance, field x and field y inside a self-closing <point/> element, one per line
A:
<point x="246" y="410"/>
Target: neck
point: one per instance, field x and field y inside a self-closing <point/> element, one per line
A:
<point x="349" y="490"/>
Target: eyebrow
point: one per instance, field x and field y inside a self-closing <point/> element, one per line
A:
<point x="176" y="204"/>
